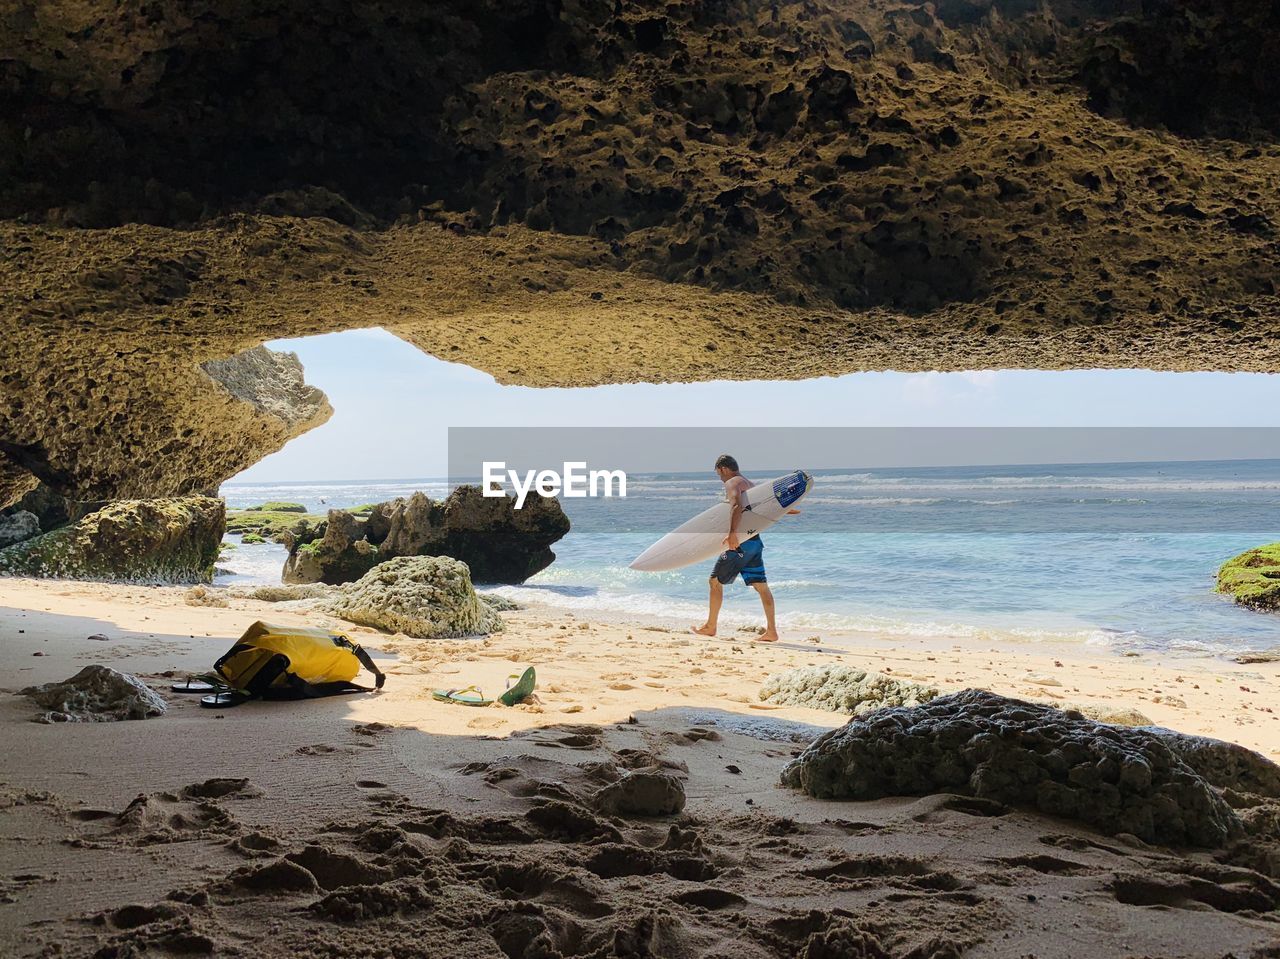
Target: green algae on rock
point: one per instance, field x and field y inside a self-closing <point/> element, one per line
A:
<point x="422" y="596"/>
<point x="1253" y="578"/>
<point x="279" y="507"/>
<point x="273" y="525"/>
<point x="137" y="541"/>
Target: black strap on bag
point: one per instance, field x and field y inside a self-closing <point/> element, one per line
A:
<point x="301" y="689"/>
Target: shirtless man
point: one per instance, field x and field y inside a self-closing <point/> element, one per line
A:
<point x="742" y="557"/>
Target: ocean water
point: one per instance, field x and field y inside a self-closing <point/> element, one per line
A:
<point x="1111" y="554"/>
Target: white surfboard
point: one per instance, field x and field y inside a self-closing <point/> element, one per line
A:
<point x="701" y="537"/>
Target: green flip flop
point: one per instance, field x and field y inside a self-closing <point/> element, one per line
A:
<point x="469" y="696"/>
<point x="523" y="687"/>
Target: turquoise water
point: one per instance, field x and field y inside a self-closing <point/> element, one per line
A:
<point x="1118" y="554"/>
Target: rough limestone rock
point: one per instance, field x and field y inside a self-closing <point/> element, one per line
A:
<point x="138" y="541"/>
<point x="1102" y="713"/>
<point x="202" y="423"/>
<point x="641" y="794"/>
<point x="15" y="482"/>
<point x="499" y="543"/>
<point x="17" y="526"/>
<point x="205" y="596"/>
<point x="422" y="596"/>
<point x="340" y="555"/>
<point x="1253" y="578"/>
<point x="1116" y="779"/>
<point x="842" y="689"/>
<point x="285" y="594"/>
<point x="1225" y="765"/>
<point x="611" y="192"/>
<point x="1259" y="656"/>
<point x="96" y="694"/>
<point x="50" y="508"/>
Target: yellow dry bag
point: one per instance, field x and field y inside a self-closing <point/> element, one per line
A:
<point x="294" y="662"/>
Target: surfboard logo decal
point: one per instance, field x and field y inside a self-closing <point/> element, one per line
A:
<point x="791" y="487"/>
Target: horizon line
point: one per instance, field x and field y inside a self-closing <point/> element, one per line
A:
<point x="448" y="479"/>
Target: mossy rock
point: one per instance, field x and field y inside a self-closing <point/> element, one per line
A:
<point x="135" y="541"/>
<point x="252" y="538"/>
<point x="1253" y="578"/>
<point x="272" y="525"/>
<point x="274" y="507"/>
<point x="426" y="597"/>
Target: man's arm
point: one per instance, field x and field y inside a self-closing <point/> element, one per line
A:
<point x="734" y="491"/>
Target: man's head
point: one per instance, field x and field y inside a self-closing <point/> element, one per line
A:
<point x="726" y="466"/>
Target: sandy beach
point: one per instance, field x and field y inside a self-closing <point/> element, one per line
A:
<point x="434" y="829"/>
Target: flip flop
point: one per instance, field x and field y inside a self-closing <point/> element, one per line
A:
<point x="523" y="687"/>
<point x="225" y="699"/>
<point x="470" y="696"/>
<point x="193" y="685"/>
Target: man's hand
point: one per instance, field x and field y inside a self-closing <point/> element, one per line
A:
<point x="731" y="541"/>
<point x="793" y="512"/>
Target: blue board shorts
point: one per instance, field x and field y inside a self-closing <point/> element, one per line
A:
<point x="747" y="560"/>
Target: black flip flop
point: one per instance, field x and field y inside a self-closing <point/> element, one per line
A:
<point x="225" y="699"/>
<point x="193" y="686"/>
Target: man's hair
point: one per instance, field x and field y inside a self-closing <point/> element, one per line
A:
<point x="727" y="461"/>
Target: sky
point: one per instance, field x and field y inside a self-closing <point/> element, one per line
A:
<point x="393" y="405"/>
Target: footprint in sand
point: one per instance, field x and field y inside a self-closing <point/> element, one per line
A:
<point x="317" y="749"/>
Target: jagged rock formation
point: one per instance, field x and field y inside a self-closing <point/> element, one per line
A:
<point x="140" y="541"/>
<point x="147" y="421"/>
<point x="650" y="186"/>
<point x="424" y="596"/>
<point x="1252" y="579"/>
<point x="340" y="554"/>
<point x="499" y="543"/>
<point x="1159" y="786"/>
<point x="842" y="689"/>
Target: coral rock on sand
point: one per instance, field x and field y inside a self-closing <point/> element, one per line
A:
<point x="1116" y="779"/>
<point x="1260" y="656"/>
<point x="641" y="794"/>
<point x="284" y="594"/>
<point x="843" y="689"/>
<point x="204" y="596"/>
<point x="96" y="694"/>
<point x="1224" y="765"/>
<point x="499" y="544"/>
<point x="1112" y="715"/>
<point x="1253" y="578"/>
<point x="421" y="596"/>
<point x="144" y="541"/>
<point x="18" y="526"/>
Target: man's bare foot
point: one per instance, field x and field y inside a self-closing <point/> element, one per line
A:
<point x="769" y="636"/>
<point x="703" y="630"/>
